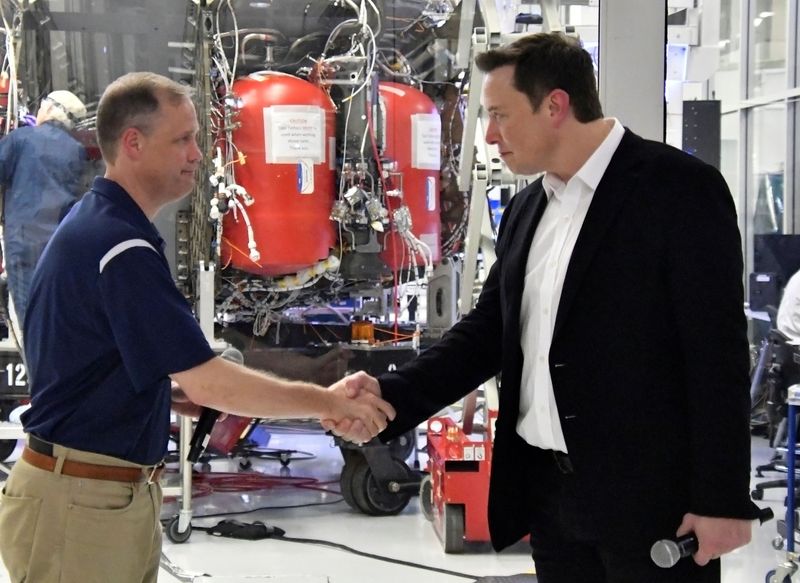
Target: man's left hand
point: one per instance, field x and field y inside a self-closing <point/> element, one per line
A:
<point x="715" y="536"/>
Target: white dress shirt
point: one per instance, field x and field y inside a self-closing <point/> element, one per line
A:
<point x="788" y="320"/>
<point x="548" y="259"/>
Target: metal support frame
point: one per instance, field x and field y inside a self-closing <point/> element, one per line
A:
<point x="792" y="168"/>
<point x="479" y="231"/>
<point x="625" y="49"/>
<point x="550" y="16"/>
<point x="205" y="298"/>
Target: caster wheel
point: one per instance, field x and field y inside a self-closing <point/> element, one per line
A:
<point x="426" y="497"/>
<point x="346" y="479"/>
<point x="174" y="535"/>
<point x="7" y="447"/>
<point x="402" y="445"/>
<point x="777" y="543"/>
<point x="453" y="528"/>
<point x="772" y="577"/>
<point x="373" y="499"/>
<point x="757" y="494"/>
<point x="245" y="465"/>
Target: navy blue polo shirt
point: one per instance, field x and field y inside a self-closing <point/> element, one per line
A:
<point x="105" y="327"/>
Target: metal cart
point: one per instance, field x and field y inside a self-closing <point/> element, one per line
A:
<point x="787" y="528"/>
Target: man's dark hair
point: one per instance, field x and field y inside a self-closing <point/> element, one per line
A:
<point x="546" y="61"/>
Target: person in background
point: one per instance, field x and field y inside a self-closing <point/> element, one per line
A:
<point x="106" y="332"/>
<point x="788" y="319"/>
<point x="41" y="169"/>
<point x="614" y="313"/>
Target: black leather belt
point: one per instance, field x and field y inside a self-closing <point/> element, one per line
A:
<point x="40" y="446"/>
<point x="563" y="463"/>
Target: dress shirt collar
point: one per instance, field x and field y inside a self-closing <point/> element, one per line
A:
<point x="593" y="169"/>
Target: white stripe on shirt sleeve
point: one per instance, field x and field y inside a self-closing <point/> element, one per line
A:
<point x="121" y="248"/>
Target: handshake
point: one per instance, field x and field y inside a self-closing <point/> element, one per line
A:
<point x="356" y="411"/>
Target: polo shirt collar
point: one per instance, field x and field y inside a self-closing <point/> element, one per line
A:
<point x="119" y="196"/>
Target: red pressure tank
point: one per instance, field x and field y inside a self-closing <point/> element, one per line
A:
<point x="287" y="133"/>
<point x="4" y="84"/>
<point x="413" y="138"/>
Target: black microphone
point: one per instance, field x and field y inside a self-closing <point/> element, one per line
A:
<point x="208" y="416"/>
<point x="667" y="552"/>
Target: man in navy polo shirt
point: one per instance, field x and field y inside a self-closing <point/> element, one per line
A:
<point x="106" y="332"/>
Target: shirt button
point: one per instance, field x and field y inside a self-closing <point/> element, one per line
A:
<point x="545" y="311"/>
<point x="541" y="359"/>
<point x="565" y="218"/>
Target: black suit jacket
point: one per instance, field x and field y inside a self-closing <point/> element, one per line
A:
<point x="649" y="357"/>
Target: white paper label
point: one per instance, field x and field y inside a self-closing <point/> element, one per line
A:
<point x="305" y="177"/>
<point x="426" y="140"/>
<point x="431" y="193"/>
<point x="293" y="133"/>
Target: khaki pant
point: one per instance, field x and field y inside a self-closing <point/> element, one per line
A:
<point x="60" y="529"/>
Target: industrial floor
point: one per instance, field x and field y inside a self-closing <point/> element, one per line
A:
<point x="310" y="513"/>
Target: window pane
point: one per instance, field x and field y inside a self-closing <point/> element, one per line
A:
<point x="729" y="157"/>
<point x="768" y="153"/>
<point x="768" y="55"/>
<point x="730" y="34"/>
<point x="726" y="80"/>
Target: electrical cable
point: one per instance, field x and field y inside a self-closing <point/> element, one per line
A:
<point x="342" y="547"/>
<point x="260" y="508"/>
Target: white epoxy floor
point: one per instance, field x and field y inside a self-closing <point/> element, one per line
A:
<point x="406" y="537"/>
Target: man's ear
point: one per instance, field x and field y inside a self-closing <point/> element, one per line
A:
<point x="131" y="143"/>
<point x="558" y="105"/>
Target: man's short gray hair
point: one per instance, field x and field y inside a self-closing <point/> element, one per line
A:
<point x="132" y="101"/>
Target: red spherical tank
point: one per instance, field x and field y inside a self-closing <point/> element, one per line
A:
<point x="4" y="86"/>
<point x="287" y="134"/>
<point x="413" y="137"/>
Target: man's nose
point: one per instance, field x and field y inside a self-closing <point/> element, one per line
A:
<point x="491" y="136"/>
<point x="195" y="155"/>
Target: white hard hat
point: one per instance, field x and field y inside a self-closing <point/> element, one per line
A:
<point x="69" y="103"/>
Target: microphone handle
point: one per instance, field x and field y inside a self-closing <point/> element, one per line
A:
<point x="666" y="553"/>
<point x="202" y="433"/>
<point x="687" y="545"/>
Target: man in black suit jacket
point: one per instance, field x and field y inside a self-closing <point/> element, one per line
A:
<point x="614" y="312"/>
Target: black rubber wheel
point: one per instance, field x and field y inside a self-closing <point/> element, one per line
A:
<point x="426" y="497"/>
<point x="453" y="528"/>
<point x="757" y="494"/>
<point x="402" y="445"/>
<point x="174" y="535"/>
<point x="771" y="578"/>
<point x="346" y="479"/>
<point x="374" y="500"/>
<point x="7" y="447"/>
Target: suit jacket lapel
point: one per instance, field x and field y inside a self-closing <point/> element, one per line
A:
<point x="520" y="237"/>
<point x="615" y="186"/>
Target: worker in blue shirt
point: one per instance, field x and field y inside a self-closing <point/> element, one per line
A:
<point x="41" y="170"/>
<point x="106" y="333"/>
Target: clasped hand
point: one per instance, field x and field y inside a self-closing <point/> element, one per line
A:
<point x="715" y="536"/>
<point x="360" y="414"/>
